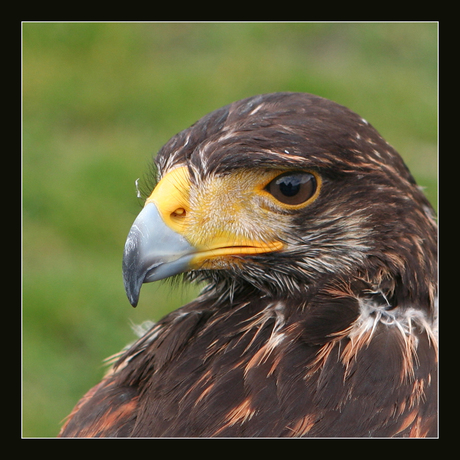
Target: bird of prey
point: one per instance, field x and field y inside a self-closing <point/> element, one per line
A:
<point x="318" y="254"/>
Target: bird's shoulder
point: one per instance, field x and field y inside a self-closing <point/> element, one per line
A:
<point x="339" y="362"/>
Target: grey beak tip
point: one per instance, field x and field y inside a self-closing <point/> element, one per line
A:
<point x="132" y="285"/>
<point x="133" y="301"/>
<point x="133" y="277"/>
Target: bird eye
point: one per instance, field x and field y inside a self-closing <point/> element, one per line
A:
<point x="293" y="188"/>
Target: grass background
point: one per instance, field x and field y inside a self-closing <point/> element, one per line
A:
<point x="99" y="99"/>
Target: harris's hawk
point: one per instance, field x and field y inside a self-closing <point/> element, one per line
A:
<point x="318" y="254"/>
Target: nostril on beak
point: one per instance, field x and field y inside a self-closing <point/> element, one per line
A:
<point x="179" y="212"/>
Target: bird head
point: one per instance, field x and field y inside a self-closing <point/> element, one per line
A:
<point x="281" y="191"/>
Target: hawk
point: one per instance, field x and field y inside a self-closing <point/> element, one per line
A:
<point x="318" y="254"/>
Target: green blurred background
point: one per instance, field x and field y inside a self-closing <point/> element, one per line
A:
<point x="99" y="99"/>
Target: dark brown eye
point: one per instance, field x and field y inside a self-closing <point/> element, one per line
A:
<point x="293" y="188"/>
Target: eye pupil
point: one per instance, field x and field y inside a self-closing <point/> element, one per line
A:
<point x="288" y="187"/>
<point x="293" y="188"/>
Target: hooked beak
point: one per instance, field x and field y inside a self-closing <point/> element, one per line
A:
<point x="153" y="251"/>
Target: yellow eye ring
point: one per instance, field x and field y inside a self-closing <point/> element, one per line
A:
<point x="294" y="189"/>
